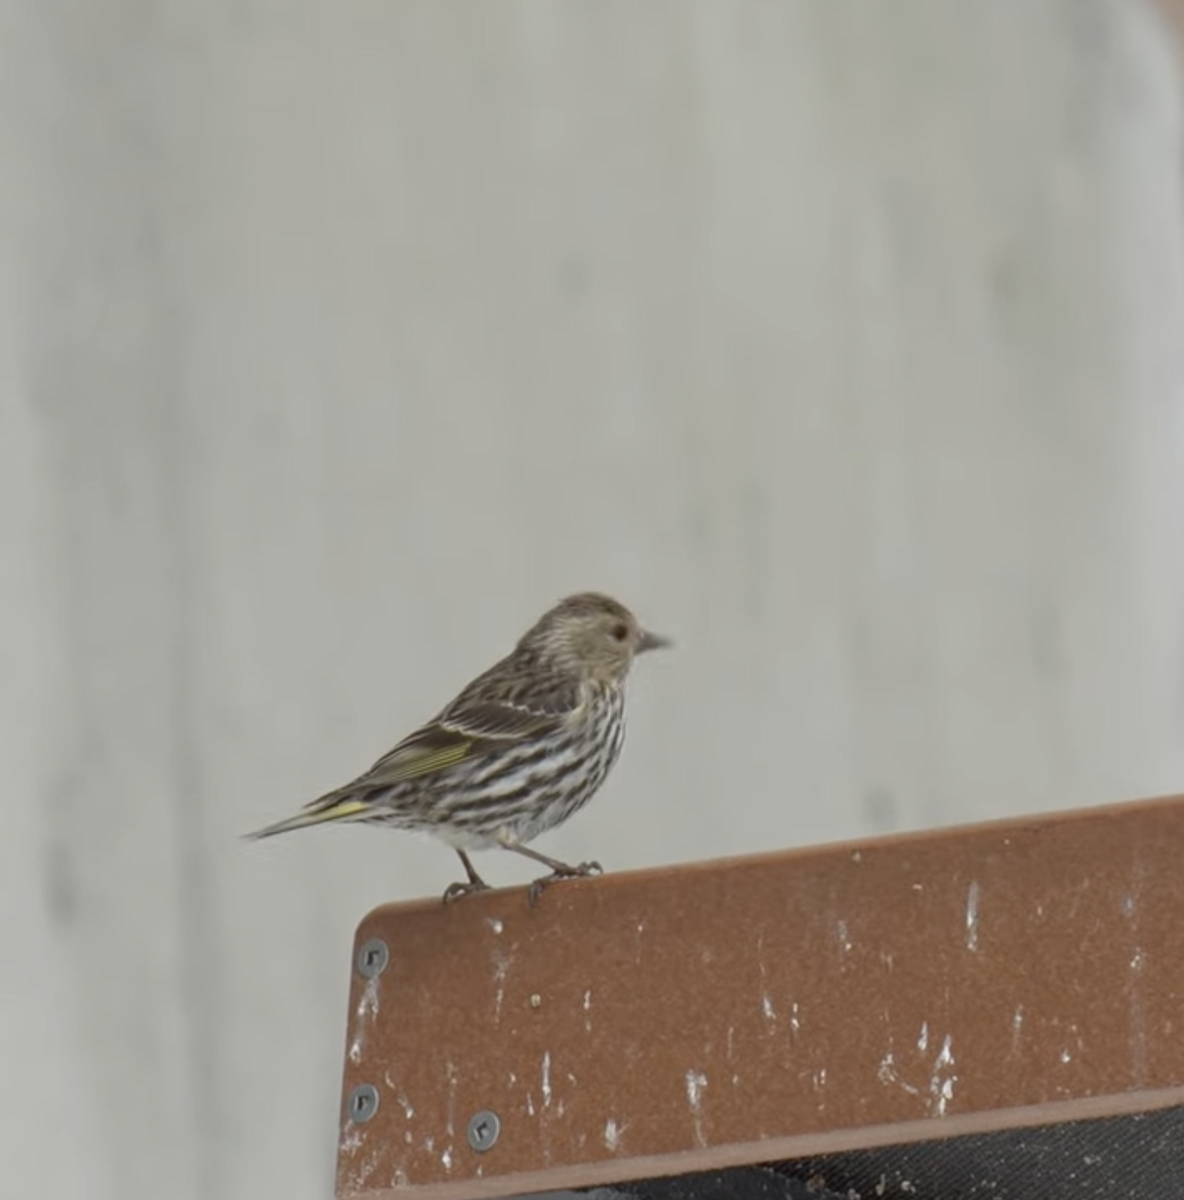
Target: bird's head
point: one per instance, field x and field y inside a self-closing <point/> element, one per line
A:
<point x="592" y="634"/>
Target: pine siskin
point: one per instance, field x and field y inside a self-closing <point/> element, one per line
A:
<point x="521" y="749"/>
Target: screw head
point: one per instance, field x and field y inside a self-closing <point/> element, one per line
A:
<point x="363" y="1103"/>
<point x="483" y="1131"/>
<point x="373" y="957"/>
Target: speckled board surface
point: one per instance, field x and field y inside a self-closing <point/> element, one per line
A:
<point x="742" y="1011"/>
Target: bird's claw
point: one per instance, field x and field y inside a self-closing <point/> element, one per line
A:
<point x="584" y="871"/>
<point x="454" y="891"/>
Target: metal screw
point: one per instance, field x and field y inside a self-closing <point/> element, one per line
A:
<point x="484" y="1128"/>
<point x="363" y="1103"/>
<point x="373" y="957"/>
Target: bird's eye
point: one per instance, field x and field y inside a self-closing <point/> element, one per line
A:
<point x="620" y="631"/>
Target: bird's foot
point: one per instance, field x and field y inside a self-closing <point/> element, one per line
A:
<point x="454" y="891"/>
<point x="562" y="871"/>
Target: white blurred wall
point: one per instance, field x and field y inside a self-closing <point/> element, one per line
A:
<point x="338" y="340"/>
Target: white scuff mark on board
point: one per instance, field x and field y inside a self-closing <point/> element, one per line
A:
<point x="368" y="1004"/>
<point x="400" y="1096"/>
<point x="367" y="1008"/>
<point x="612" y="1135"/>
<point x="767" y="1009"/>
<point x="545" y="1084"/>
<point x="973" y="896"/>
<point x="446" y="1159"/>
<point x="923" y="1037"/>
<point x="696" y="1085"/>
<point x="946" y="1057"/>
<point x="588" y="1011"/>
<point x="844" y="936"/>
<point x="366" y="1169"/>
<point x="888" y="1075"/>
<point x="795" y="1023"/>
<point x="941" y="1083"/>
<point x="450" y="1124"/>
<point x="886" y="1071"/>
<point x="495" y="924"/>
<point x="501" y="971"/>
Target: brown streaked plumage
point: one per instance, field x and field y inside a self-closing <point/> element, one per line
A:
<point x="521" y="749"/>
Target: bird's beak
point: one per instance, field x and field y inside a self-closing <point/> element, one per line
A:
<point x="651" y="641"/>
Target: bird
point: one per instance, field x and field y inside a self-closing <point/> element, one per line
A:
<point x="521" y="749"/>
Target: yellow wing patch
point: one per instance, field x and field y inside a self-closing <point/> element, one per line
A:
<point x="414" y="761"/>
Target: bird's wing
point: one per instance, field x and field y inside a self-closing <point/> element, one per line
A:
<point x="490" y="713"/>
<point x="511" y="702"/>
<point x="432" y="748"/>
<point x="497" y="709"/>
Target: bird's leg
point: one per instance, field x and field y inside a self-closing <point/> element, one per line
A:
<point x="559" y="870"/>
<point x="454" y="891"/>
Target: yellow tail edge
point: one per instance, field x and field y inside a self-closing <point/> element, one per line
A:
<point x="341" y="811"/>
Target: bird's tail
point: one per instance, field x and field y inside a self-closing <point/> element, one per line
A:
<point x="336" y="806"/>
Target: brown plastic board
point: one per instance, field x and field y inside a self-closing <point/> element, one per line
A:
<point x="770" y="1007"/>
